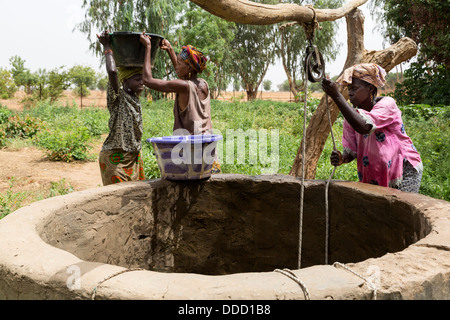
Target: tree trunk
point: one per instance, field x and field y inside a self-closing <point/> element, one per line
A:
<point x="249" y="12"/>
<point x="251" y="95"/>
<point x="318" y="129"/>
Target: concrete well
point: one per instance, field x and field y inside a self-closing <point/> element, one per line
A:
<point x="228" y="237"/>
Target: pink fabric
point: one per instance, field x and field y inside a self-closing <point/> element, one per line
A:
<point x="380" y="154"/>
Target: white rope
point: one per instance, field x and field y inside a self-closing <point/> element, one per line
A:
<point x="288" y="273"/>
<point x="369" y="283"/>
<point x="95" y="290"/>
<point x="327" y="215"/>
<point x="302" y="189"/>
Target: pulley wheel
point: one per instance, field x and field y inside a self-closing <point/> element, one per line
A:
<point x="313" y="68"/>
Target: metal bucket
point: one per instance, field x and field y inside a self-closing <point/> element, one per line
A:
<point x="128" y="51"/>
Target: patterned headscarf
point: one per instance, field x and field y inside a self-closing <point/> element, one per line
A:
<point x="194" y="57"/>
<point x="126" y="72"/>
<point x="368" y="72"/>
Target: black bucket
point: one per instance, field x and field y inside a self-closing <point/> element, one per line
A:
<point x="128" y="51"/>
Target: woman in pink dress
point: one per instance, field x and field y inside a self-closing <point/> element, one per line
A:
<point x="373" y="131"/>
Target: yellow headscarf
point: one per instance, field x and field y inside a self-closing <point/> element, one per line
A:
<point x="125" y="72"/>
<point x="368" y="72"/>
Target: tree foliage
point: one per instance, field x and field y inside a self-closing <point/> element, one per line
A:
<point x="253" y="51"/>
<point x="7" y="85"/>
<point x="211" y="35"/>
<point x="82" y="77"/>
<point x="423" y="85"/>
<point x="426" y="22"/>
<point x="153" y="16"/>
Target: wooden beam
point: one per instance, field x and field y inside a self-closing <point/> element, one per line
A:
<point x="249" y="12"/>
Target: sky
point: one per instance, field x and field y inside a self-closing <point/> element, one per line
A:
<point x="42" y="33"/>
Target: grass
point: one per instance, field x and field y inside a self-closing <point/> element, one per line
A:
<point x="68" y="132"/>
<point x="12" y="200"/>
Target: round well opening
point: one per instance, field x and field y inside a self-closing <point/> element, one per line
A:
<point x="233" y="224"/>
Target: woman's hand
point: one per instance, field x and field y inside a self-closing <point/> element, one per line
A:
<point x="103" y="38"/>
<point x="336" y="158"/>
<point x="165" y="45"/>
<point x="330" y="88"/>
<point x="145" y="40"/>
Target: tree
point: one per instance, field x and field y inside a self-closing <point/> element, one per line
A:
<point x="42" y="79"/>
<point x="267" y="85"/>
<point x="213" y="37"/>
<point x="254" y="13"/>
<point x="7" y="85"/>
<point x="102" y="82"/>
<point x="253" y="52"/>
<point x="22" y="76"/>
<point x="294" y="40"/>
<point x="425" y="85"/>
<point x="153" y="16"/>
<point x="426" y="22"/>
<point x="58" y="81"/>
<point x="318" y="130"/>
<point x="82" y="77"/>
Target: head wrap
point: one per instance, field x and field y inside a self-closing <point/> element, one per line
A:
<point x="193" y="57"/>
<point x="368" y="72"/>
<point x="126" y="73"/>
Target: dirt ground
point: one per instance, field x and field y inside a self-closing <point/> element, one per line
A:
<point x="27" y="169"/>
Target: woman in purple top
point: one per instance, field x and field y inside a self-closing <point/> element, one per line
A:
<point x="373" y="131"/>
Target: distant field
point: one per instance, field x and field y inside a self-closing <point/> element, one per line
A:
<point x="98" y="98"/>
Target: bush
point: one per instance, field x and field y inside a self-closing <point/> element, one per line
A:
<point x="425" y="111"/>
<point x="5" y="113"/>
<point x="63" y="145"/>
<point x="424" y="85"/>
<point x="21" y="126"/>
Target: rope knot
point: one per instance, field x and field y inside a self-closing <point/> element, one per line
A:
<point x="310" y="27"/>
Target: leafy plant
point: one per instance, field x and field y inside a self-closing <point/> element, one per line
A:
<point x="21" y="126"/>
<point x="62" y="145"/>
<point x="424" y="85"/>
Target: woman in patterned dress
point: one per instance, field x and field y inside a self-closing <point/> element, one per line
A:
<point x="120" y="159"/>
<point x="373" y="131"/>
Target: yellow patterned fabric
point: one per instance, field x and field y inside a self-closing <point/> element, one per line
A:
<point x="368" y="72"/>
<point x="216" y="167"/>
<point x="125" y="73"/>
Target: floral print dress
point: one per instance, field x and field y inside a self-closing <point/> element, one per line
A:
<point x="386" y="150"/>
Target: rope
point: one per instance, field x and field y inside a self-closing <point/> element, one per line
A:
<point x="310" y="27"/>
<point x="288" y="273"/>
<point x="95" y="290"/>
<point x="369" y="283"/>
<point x="327" y="215"/>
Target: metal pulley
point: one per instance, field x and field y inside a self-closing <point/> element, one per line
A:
<point x="314" y="65"/>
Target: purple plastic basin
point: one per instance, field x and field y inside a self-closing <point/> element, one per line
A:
<point x="185" y="157"/>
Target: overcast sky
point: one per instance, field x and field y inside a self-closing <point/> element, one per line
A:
<point x="41" y="33"/>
